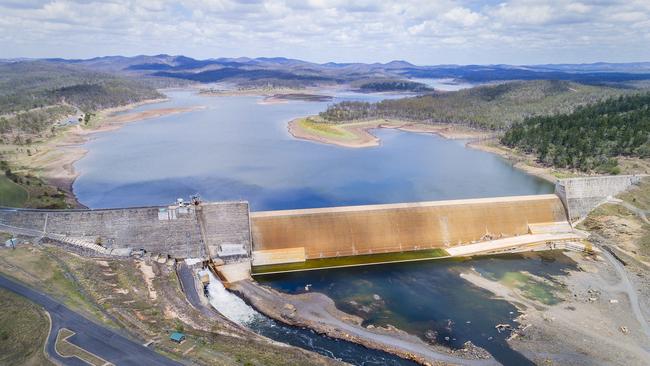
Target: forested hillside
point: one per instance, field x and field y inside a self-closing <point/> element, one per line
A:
<point x="490" y="106"/>
<point x="33" y="95"/>
<point x="390" y="85"/>
<point x="591" y="137"/>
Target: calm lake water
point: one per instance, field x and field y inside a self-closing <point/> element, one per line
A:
<point x="237" y="148"/>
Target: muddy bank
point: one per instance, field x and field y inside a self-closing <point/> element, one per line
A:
<point x="359" y="135"/>
<point x="318" y="312"/>
<point x="520" y="161"/>
<point x="56" y="157"/>
<point x="591" y="324"/>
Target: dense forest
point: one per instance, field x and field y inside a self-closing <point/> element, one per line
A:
<point x="33" y="95"/>
<point x="591" y="137"/>
<point x="490" y="106"/>
<point x="390" y="85"/>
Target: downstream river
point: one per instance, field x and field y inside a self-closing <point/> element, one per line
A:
<point x="239" y="148"/>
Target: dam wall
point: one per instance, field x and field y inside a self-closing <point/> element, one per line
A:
<point x="170" y="230"/>
<point x="581" y="195"/>
<point x="359" y="230"/>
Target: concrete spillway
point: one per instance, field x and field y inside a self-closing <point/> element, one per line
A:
<point x="298" y="235"/>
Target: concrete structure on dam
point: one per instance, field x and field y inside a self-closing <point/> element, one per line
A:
<point x="180" y="231"/>
<point x="581" y="195"/>
<point x="227" y="232"/>
<point x="299" y="235"/>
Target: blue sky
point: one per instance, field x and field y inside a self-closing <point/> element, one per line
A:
<point x="419" y="31"/>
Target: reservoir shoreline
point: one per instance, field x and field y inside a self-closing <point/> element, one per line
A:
<point x="359" y="135"/>
<point x="57" y="156"/>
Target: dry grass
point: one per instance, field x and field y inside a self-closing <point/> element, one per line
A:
<point x="23" y="330"/>
<point x="622" y="226"/>
<point x="38" y="267"/>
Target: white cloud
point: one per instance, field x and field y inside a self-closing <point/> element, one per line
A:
<point x="629" y="16"/>
<point x="463" y="16"/>
<point x="423" y="31"/>
<point x="579" y="8"/>
<point x="524" y="13"/>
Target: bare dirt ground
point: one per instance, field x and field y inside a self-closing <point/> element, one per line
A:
<point x="592" y="324"/>
<point x="603" y="317"/>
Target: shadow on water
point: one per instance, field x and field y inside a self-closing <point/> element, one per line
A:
<point x="429" y="299"/>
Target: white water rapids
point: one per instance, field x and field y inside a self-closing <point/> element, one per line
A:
<point x="229" y="304"/>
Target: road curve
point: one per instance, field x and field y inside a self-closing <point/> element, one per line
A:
<point x="627" y="288"/>
<point x="90" y="336"/>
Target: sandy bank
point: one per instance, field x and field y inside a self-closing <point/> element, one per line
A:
<point x="358" y="135"/>
<point x="526" y="163"/>
<point x="256" y="92"/>
<point x="55" y="158"/>
<point x="300" y="97"/>
<point x="318" y="312"/>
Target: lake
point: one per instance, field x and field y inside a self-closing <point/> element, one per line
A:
<point x="236" y="148"/>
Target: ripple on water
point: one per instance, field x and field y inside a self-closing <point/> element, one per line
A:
<point x="431" y="300"/>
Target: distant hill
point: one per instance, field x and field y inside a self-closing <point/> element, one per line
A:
<point x="589" y="138"/>
<point x="283" y="70"/>
<point x="50" y="88"/>
<point x="490" y="106"/>
<point x="34" y="94"/>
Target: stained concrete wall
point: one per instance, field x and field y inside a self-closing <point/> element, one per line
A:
<point x="341" y="231"/>
<point x="165" y="230"/>
<point x="581" y="195"/>
<point x="226" y="223"/>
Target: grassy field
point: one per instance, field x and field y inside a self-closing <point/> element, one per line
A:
<point x="38" y="268"/>
<point x="11" y="194"/>
<point x="23" y="329"/>
<point x="324" y="129"/>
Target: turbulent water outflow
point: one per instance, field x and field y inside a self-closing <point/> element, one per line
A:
<point x="236" y="310"/>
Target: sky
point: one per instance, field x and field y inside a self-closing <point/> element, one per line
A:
<point x="424" y="32"/>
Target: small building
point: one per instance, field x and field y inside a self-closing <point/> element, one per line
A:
<point x="11" y="243"/>
<point x="177" y="337"/>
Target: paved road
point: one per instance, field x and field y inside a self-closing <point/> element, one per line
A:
<point x="625" y="286"/>
<point x="90" y="336"/>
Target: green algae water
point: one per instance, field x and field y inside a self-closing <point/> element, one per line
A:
<point x="432" y="301"/>
<point x="357" y="260"/>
